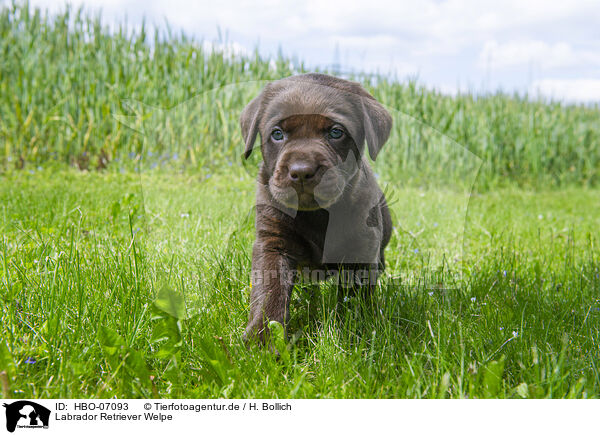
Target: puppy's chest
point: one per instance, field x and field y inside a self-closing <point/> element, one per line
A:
<point x="311" y="228"/>
<point x="338" y="237"/>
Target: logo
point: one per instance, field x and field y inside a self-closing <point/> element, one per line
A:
<point x="26" y="414"/>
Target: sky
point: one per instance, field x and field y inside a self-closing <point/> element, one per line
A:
<point x="549" y="49"/>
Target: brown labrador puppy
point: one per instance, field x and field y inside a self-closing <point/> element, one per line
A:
<point x="319" y="208"/>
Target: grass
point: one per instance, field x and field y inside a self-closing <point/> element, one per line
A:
<point x="126" y="227"/>
<point x="137" y="285"/>
<point x="74" y="93"/>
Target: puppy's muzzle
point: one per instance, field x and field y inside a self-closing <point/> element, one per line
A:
<point x="303" y="172"/>
<point x="302" y="167"/>
<point x="304" y="179"/>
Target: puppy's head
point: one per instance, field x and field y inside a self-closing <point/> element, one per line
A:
<point x="313" y="128"/>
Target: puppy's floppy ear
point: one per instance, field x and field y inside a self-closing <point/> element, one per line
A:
<point x="377" y="125"/>
<point x="249" y="121"/>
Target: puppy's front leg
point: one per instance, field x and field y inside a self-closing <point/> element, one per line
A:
<point x="273" y="276"/>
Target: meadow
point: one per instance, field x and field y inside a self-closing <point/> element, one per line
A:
<point x="126" y="222"/>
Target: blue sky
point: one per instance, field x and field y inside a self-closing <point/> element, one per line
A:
<point x="550" y="48"/>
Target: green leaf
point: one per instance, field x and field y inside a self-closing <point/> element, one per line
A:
<point x="577" y="389"/>
<point x="278" y="342"/>
<point x="166" y="332"/>
<point x="216" y="364"/>
<point x="135" y="364"/>
<point x="115" y="209"/>
<point x="111" y="341"/>
<point x="492" y="378"/>
<point x="171" y="303"/>
<point x="118" y="353"/>
<point x="166" y="328"/>
<point x="7" y="362"/>
<point x="523" y="390"/>
<point x="168" y="309"/>
<point x="444" y="385"/>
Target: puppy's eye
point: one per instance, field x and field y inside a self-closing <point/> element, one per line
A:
<point x="277" y="134"/>
<point x="336" y="133"/>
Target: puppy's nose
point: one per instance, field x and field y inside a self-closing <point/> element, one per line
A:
<point x="302" y="171"/>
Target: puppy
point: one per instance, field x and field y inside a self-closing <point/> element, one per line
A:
<point x="318" y="206"/>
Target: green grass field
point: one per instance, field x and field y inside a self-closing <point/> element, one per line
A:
<point x="126" y="226"/>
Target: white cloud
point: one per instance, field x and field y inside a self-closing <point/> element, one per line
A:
<point x="427" y="27"/>
<point x="379" y="53"/>
<point x="441" y="41"/>
<point x="545" y="55"/>
<point x="574" y="91"/>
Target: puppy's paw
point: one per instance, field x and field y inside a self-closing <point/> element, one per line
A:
<point x="270" y="334"/>
<point x="256" y="332"/>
